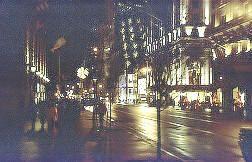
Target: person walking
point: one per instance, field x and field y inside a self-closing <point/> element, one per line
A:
<point x="102" y="109"/>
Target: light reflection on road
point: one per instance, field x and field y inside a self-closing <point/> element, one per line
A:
<point x="148" y="127"/>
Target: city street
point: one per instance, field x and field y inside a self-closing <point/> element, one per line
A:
<point x="64" y="61"/>
<point x="185" y="136"/>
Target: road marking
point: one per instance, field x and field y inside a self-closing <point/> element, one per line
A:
<point x="147" y="140"/>
<point x="203" y="120"/>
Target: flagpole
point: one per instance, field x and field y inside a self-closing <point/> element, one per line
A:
<point x="58" y="44"/>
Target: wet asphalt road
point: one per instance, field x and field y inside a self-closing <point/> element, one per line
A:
<point x="185" y="136"/>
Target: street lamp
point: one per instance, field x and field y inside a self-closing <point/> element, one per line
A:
<point x="95" y="98"/>
<point x="95" y="49"/>
<point x="58" y="44"/>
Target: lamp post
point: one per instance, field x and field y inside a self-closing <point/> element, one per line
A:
<point x="58" y="44"/>
<point x="95" y="98"/>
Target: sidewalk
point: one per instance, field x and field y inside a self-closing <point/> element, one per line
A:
<point x="75" y="139"/>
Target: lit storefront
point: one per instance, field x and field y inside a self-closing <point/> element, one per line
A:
<point x="231" y="27"/>
<point x="126" y="89"/>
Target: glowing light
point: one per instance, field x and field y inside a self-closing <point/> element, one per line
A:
<point x="100" y="86"/>
<point x="228" y="49"/>
<point x="201" y="31"/>
<point x="47" y="80"/>
<point x="169" y="37"/>
<point x="188" y="30"/>
<point x="146" y="69"/>
<point x="207" y="12"/>
<point x="95" y="49"/>
<point x="82" y="72"/>
<point x="174" y="34"/>
<point x="184" y="11"/>
<point x="33" y="69"/>
<point x="38" y="73"/>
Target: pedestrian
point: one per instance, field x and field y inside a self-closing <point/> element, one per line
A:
<point x="42" y="114"/>
<point x="102" y="109"/>
<point x="33" y="113"/>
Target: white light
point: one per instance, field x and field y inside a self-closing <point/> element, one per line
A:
<point x="221" y="77"/>
<point x="92" y="89"/>
<point x="47" y="80"/>
<point x="38" y="73"/>
<point x="100" y="86"/>
<point x="67" y="85"/>
<point x="78" y="84"/>
<point x="33" y="69"/>
<point x="201" y="31"/>
<point x="188" y="30"/>
<point x="82" y="72"/>
<point x="95" y="49"/>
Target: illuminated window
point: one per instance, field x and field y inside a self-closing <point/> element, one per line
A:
<point x="194" y="73"/>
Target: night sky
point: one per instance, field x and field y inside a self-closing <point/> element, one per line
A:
<point x="72" y="19"/>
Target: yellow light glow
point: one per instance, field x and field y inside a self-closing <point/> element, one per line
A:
<point x="228" y="50"/>
<point x="146" y="69"/>
<point x="95" y="49"/>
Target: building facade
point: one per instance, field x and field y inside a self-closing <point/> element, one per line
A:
<point x="139" y="35"/>
<point x="190" y="74"/>
<point x="195" y="43"/>
<point x="35" y="54"/>
<point x="231" y="35"/>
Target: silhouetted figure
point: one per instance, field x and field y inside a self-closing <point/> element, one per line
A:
<point x="42" y="113"/>
<point x="102" y="109"/>
<point x="34" y="112"/>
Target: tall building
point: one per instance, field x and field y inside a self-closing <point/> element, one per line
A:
<point x="139" y="33"/>
<point x="129" y="32"/>
<point x="101" y="49"/>
<point x="231" y="35"/>
<point x="35" y="54"/>
<point x="191" y="73"/>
